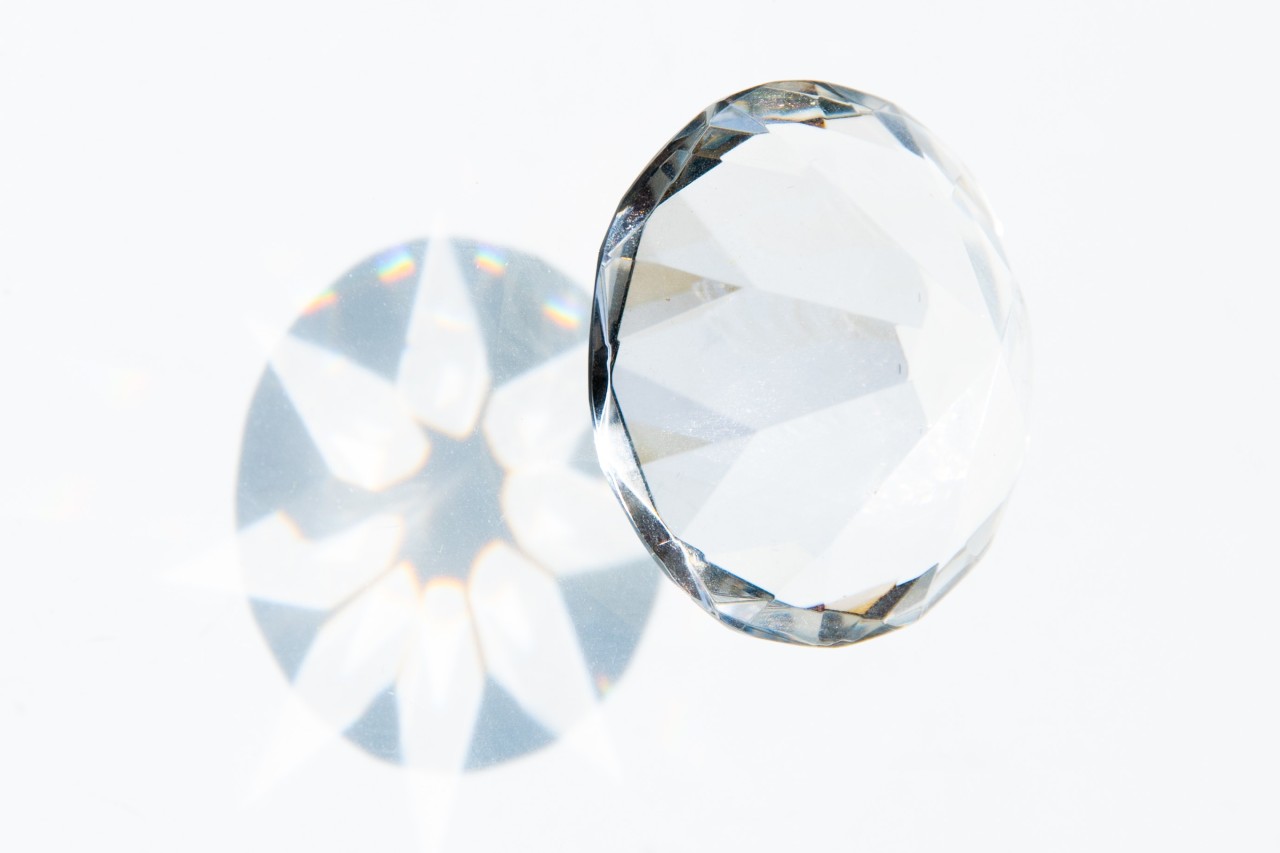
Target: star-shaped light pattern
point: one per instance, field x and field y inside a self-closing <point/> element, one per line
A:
<point x="429" y="548"/>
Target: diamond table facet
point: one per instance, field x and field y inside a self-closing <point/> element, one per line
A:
<point x="809" y="368"/>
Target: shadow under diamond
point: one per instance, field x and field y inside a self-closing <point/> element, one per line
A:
<point x="372" y="497"/>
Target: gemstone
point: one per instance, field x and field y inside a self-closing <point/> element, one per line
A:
<point x="428" y="546"/>
<point x="808" y="365"/>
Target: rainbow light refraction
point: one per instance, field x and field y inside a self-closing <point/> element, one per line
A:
<point x="487" y="260"/>
<point x="324" y="300"/>
<point x="395" y="265"/>
<point x="561" y="313"/>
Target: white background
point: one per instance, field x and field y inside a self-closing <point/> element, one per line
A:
<point x="177" y="180"/>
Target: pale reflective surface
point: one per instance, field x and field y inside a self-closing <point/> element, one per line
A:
<point x="429" y="548"/>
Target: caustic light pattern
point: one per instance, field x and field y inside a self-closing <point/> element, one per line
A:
<point x="808" y="365"/>
<point x="428" y="544"/>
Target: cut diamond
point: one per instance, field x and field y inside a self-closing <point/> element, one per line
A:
<point x="808" y="364"/>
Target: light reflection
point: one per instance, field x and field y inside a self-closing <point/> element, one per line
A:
<point x="443" y="576"/>
<point x="324" y="300"/>
<point x="396" y="265"/>
<point x="562" y="313"/>
<point x="491" y="261"/>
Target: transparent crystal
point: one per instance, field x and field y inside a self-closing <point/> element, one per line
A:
<point x="808" y="365"/>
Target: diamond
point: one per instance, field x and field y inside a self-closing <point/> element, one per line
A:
<point x="809" y="368"/>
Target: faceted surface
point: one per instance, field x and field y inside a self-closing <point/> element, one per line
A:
<point x="428" y="546"/>
<point x="808" y="366"/>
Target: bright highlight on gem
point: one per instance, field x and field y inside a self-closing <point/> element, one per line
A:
<point x="491" y="262"/>
<point x="560" y="312"/>
<point x="395" y="265"/>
